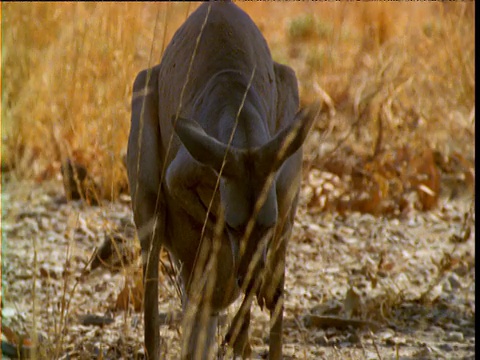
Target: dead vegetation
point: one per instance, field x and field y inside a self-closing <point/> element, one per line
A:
<point x="384" y="241"/>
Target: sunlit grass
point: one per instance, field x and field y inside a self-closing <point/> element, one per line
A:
<point x="68" y="69"/>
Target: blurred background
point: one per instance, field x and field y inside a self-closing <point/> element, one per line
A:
<point x="397" y="83"/>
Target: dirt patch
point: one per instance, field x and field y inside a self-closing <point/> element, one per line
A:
<point x="357" y="286"/>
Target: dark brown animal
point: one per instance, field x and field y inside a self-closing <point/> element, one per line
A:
<point x="214" y="164"/>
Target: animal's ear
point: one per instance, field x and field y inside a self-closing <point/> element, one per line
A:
<point x="289" y="140"/>
<point x="205" y="148"/>
<point x="146" y="84"/>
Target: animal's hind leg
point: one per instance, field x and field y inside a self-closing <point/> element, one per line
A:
<point x="276" y="324"/>
<point x="271" y="293"/>
<point x="150" y="233"/>
<point x="150" y="284"/>
<point x="199" y="333"/>
<point x="144" y="167"/>
<point x="237" y="335"/>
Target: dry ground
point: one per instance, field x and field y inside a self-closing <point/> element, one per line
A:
<point x="408" y="282"/>
<point x="382" y="260"/>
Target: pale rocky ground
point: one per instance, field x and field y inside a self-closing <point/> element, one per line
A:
<point x="411" y="278"/>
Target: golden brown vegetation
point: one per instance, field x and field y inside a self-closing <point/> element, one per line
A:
<point x="394" y="76"/>
<point x="397" y="85"/>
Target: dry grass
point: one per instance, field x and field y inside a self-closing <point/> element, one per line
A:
<point x="391" y="76"/>
<point x="68" y="71"/>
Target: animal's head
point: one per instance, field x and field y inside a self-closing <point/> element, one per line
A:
<point x="247" y="176"/>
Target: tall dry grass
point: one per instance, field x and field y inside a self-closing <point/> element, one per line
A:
<point x="68" y="73"/>
<point x="68" y="69"/>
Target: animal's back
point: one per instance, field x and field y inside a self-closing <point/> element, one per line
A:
<point x="230" y="41"/>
